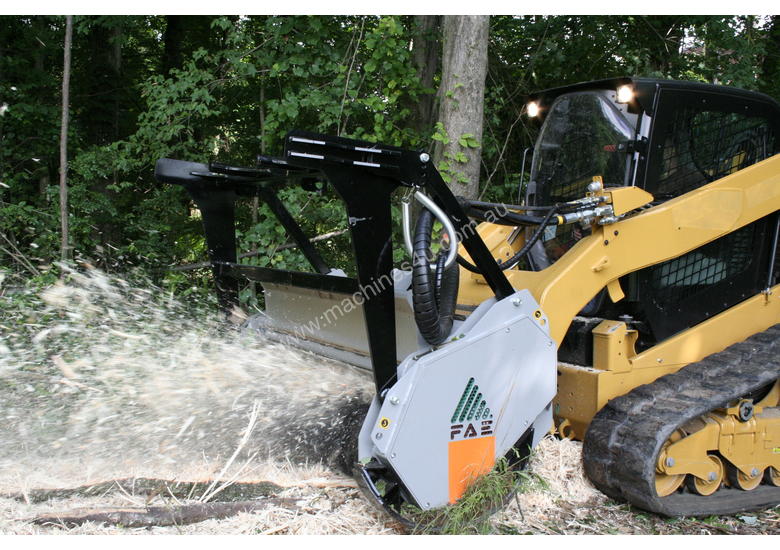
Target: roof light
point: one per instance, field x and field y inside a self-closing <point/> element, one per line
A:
<point x="532" y="109"/>
<point x="625" y="94"/>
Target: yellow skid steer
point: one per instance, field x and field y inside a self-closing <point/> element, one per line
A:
<point x="630" y="301"/>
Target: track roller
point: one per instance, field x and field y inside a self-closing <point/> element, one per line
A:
<point x="772" y="476"/>
<point x="666" y="484"/>
<point x="737" y="478"/>
<point x="706" y="487"/>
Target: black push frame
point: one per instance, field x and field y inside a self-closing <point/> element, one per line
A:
<point x="364" y="175"/>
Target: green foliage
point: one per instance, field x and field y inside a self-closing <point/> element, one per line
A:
<point x="440" y="134"/>
<point x="227" y="88"/>
<point x="468" y="140"/>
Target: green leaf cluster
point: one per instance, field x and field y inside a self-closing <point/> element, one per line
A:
<point x="227" y="88"/>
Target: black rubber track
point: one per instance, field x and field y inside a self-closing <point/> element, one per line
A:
<point x="624" y="439"/>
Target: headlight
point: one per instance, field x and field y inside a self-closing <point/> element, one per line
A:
<point x="625" y="94"/>
<point x="532" y="109"/>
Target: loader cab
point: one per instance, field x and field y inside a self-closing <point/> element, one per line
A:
<point x="668" y="138"/>
<point x="585" y="134"/>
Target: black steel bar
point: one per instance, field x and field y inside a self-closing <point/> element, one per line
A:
<point x="295" y="231"/>
<point x="365" y="186"/>
<point x="467" y="234"/>
<point x="329" y="283"/>
<point x="217" y="209"/>
<point x="370" y="225"/>
<point x="241" y="171"/>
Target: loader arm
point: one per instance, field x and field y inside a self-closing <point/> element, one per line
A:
<point x="645" y="238"/>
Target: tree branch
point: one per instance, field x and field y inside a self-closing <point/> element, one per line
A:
<point x="157" y="516"/>
<point x="286" y="246"/>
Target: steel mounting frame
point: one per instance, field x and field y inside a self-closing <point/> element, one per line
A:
<point x="364" y="175"/>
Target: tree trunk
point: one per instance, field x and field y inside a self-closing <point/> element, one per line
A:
<point x="770" y="70"/>
<point x="65" y="247"/>
<point x="425" y="56"/>
<point x="172" y="39"/>
<point x="461" y="97"/>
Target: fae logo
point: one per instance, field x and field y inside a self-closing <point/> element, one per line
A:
<point x="471" y="450"/>
<point x="472" y="417"/>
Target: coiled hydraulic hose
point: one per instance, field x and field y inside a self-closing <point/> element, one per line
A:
<point x="434" y="293"/>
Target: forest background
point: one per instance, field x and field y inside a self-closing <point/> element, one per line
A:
<point x="228" y="88"/>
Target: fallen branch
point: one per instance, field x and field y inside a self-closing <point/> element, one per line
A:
<point x="345" y="483"/>
<point x="150" y="487"/>
<point x="160" y="516"/>
<point x="286" y="246"/>
<point x="17" y="255"/>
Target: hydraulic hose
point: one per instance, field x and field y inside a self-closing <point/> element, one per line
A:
<point x="543" y="223"/>
<point x="503" y="206"/>
<point x="406" y="215"/>
<point x="509" y="218"/>
<point x="530" y="242"/>
<point x="433" y="293"/>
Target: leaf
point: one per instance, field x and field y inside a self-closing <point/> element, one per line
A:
<point x="468" y="140"/>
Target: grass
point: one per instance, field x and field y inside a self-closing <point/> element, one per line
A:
<point x="471" y="515"/>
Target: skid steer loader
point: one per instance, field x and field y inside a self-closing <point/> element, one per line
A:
<point x="631" y="300"/>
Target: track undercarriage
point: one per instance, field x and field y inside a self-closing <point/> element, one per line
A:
<point x="702" y="441"/>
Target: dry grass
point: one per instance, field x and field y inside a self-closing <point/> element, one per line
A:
<point x="562" y="501"/>
<point x="558" y="500"/>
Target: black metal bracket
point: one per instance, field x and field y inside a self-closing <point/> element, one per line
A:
<point x="632" y="146"/>
<point x="364" y="175"/>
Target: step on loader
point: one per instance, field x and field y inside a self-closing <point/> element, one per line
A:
<point x="630" y="301"/>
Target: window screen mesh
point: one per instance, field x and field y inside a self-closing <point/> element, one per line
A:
<point x="716" y="262"/>
<point x="703" y="146"/>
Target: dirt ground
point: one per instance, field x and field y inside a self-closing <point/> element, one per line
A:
<point x="103" y="380"/>
<point x="557" y="500"/>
